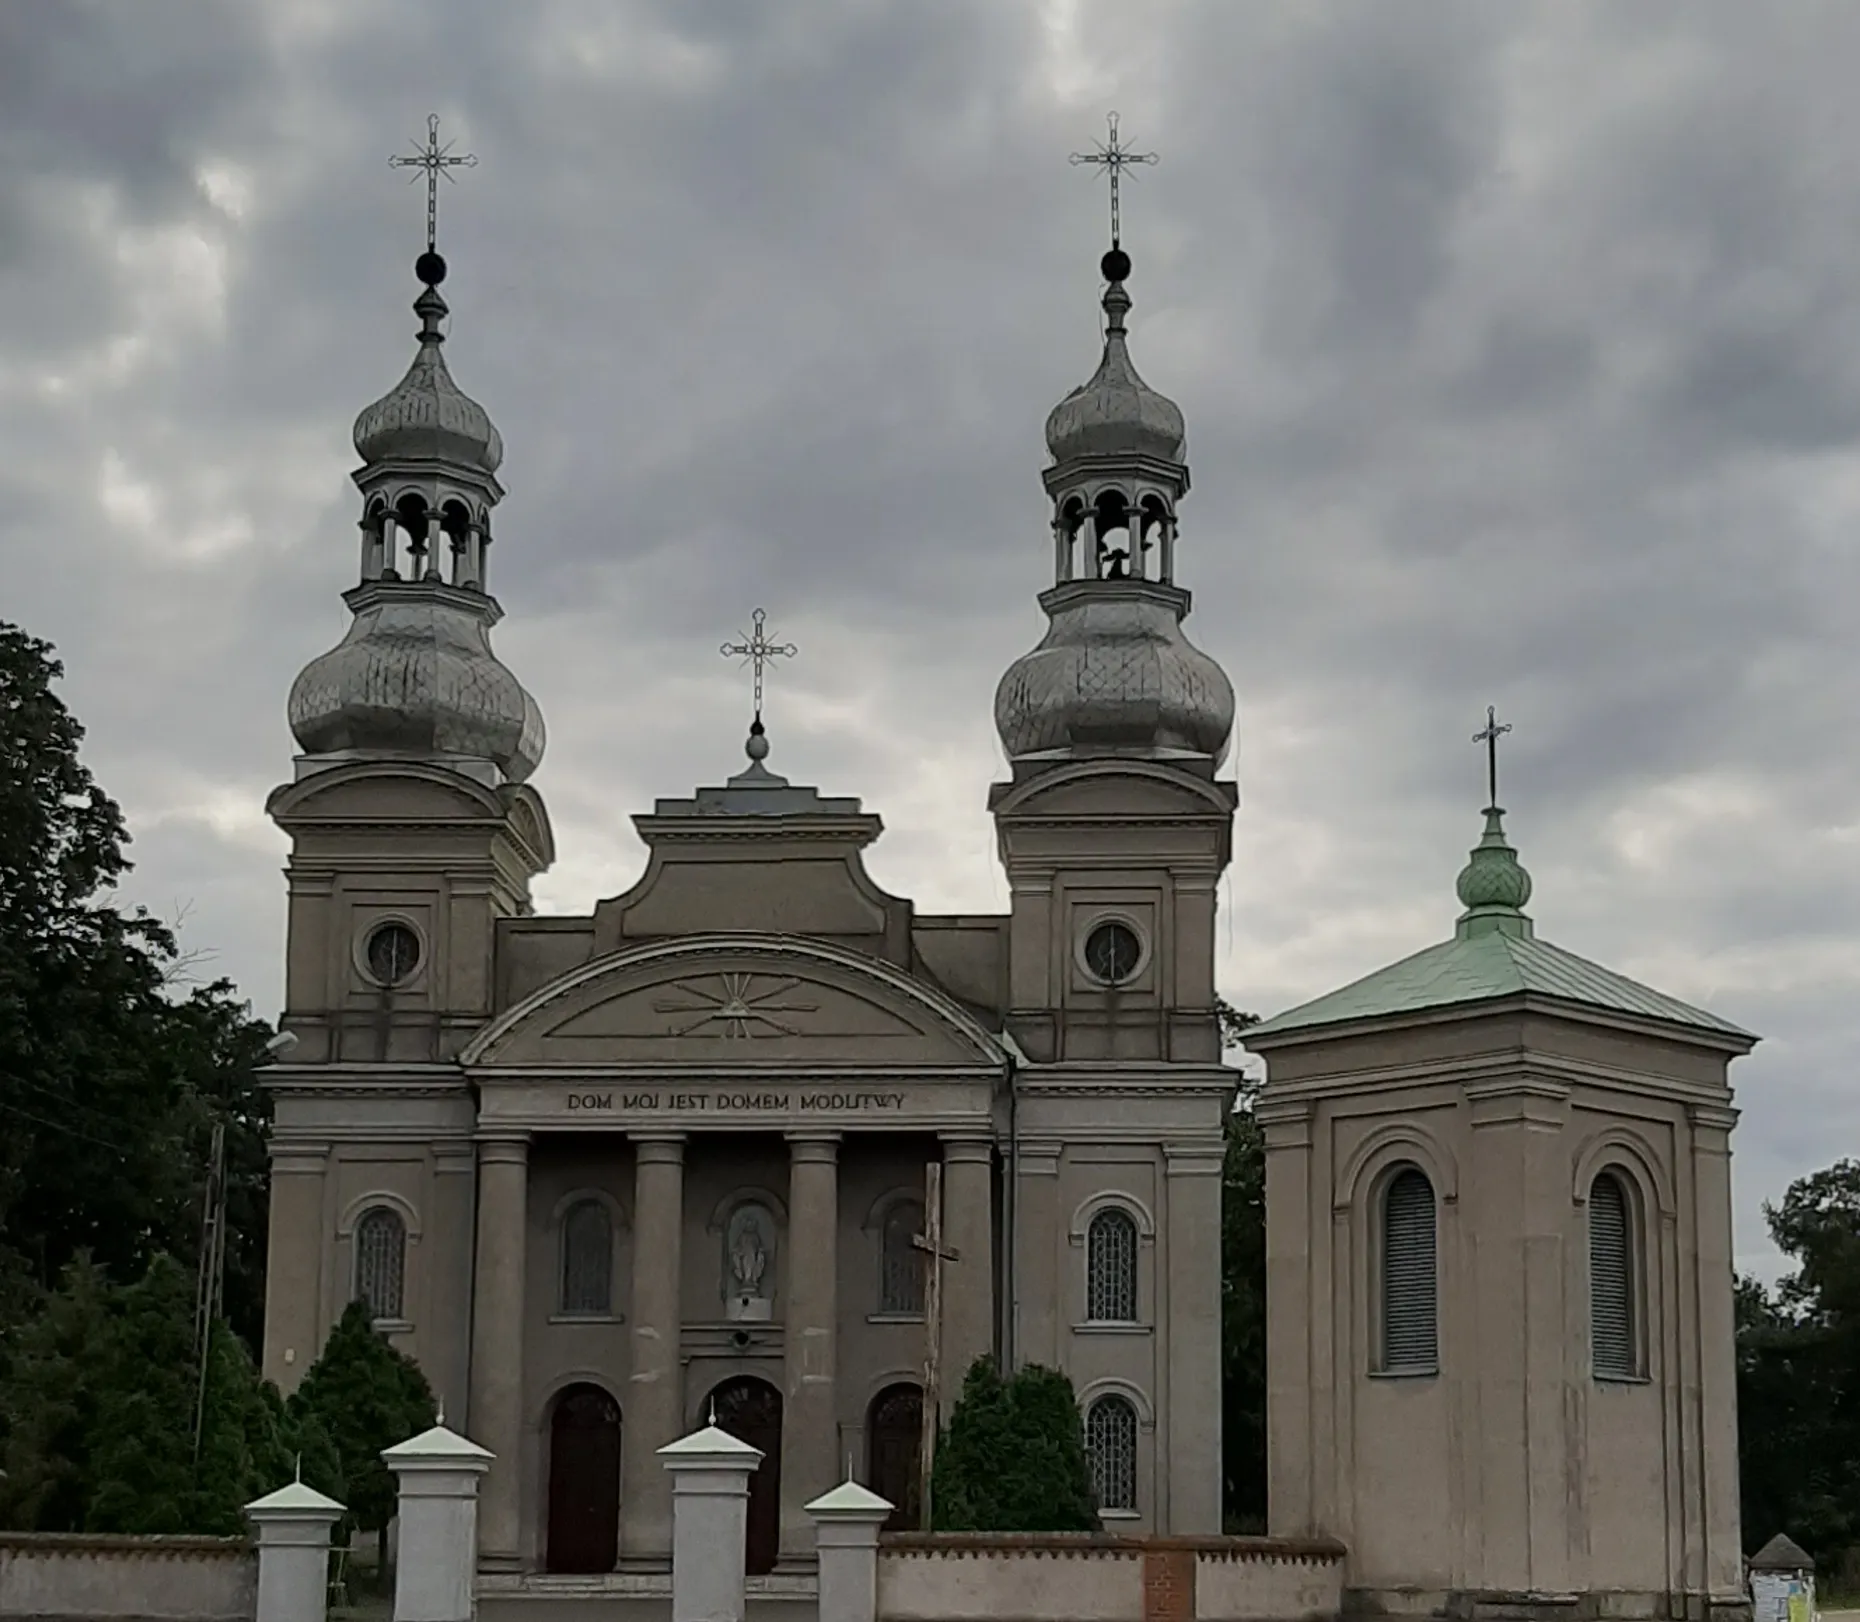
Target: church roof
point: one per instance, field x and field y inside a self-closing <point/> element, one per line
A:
<point x="1486" y="967"/>
<point x="1494" y="953"/>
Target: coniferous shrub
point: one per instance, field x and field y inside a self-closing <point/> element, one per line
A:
<point x="364" y="1396"/>
<point x="1013" y="1457"/>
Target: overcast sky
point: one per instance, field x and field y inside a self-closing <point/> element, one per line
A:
<point x="1519" y="347"/>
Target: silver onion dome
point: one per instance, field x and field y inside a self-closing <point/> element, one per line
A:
<point x="1115" y="672"/>
<point x="1116" y="413"/>
<point x="427" y="417"/>
<point x="416" y="675"/>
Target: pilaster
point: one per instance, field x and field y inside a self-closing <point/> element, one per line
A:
<point x="810" y="1434"/>
<point x="498" y="1318"/>
<point x="654" y="1414"/>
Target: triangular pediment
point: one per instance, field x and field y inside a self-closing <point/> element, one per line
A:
<point x="738" y="999"/>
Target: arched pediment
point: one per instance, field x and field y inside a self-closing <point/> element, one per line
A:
<point x="732" y="999"/>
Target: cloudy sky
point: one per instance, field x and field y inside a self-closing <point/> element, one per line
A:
<point x="1519" y="347"/>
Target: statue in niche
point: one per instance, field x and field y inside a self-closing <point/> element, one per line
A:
<point x="749" y="1264"/>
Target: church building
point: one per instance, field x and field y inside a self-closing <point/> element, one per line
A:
<point x="605" y="1173"/>
<point x="1501" y="1357"/>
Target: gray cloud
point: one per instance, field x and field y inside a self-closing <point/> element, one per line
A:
<point x="1518" y="349"/>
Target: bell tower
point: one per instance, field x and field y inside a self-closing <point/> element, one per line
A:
<point x="1114" y="828"/>
<point x="413" y="832"/>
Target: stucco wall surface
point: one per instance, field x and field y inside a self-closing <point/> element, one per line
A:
<point x="126" y="1579"/>
<point x="1059" y="1577"/>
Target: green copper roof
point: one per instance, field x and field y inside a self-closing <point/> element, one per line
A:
<point x="1494" y="953"/>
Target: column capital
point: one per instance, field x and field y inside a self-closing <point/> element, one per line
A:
<point x="818" y="1147"/>
<point x="658" y="1148"/>
<point x="974" y="1148"/>
<point x="508" y="1150"/>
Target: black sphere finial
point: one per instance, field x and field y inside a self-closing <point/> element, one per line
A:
<point x="430" y="267"/>
<point x="1115" y="265"/>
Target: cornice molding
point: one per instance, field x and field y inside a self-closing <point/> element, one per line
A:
<point x="1433" y="1072"/>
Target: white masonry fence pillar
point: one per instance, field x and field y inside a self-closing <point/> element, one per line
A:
<point x="846" y="1527"/>
<point x="293" y="1526"/>
<point x="437" y="1475"/>
<point x="710" y="1472"/>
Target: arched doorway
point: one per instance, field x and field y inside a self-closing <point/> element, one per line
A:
<point x="584" y="1481"/>
<point x="894" y="1432"/>
<point x="750" y="1410"/>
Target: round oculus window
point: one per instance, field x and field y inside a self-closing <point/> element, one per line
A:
<point x="1111" y="953"/>
<point x="393" y="953"/>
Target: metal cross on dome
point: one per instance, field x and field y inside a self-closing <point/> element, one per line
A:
<point x="1114" y="159"/>
<point x="757" y="650"/>
<point x="1489" y="735"/>
<point x="436" y="160"/>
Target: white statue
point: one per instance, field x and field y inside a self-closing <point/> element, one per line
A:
<point x="749" y="1250"/>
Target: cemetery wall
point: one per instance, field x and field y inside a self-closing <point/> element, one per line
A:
<point x="79" y="1577"/>
<point x="1087" y="1577"/>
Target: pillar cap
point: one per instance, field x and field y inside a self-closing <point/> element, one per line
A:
<point x="850" y="1502"/>
<point x="438" y="1446"/>
<point x="295" y="1502"/>
<point x="710" y="1448"/>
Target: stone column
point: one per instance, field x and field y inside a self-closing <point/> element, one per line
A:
<point x="654" y="1411"/>
<point x="1191" y="1296"/>
<point x="1036" y="1236"/>
<point x="846" y="1523"/>
<point x="437" y="1474"/>
<point x="709" y="1472"/>
<point x="292" y="1525"/>
<point x="968" y="1282"/>
<point x="1292" y="1365"/>
<point x="294" y="1321"/>
<point x="1716" y="1459"/>
<point x="810" y="1461"/>
<point x="497" y="1319"/>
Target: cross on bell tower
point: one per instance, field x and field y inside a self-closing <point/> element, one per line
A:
<point x="1114" y="158"/>
<point x="434" y="160"/>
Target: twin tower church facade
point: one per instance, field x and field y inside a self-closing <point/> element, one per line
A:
<point x="604" y="1173"/>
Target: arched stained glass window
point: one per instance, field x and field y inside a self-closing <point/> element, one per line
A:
<point x="1613" y="1333"/>
<point x="1111" y="1267"/>
<point x="1410" y="1319"/>
<point x="381" y="1261"/>
<point x="1111" y="1445"/>
<point x="901" y="1263"/>
<point x="587" y="1260"/>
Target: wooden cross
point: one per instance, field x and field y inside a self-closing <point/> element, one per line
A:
<point x="930" y="1241"/>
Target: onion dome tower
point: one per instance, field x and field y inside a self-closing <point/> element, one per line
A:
<point x="415" y="677"/>
<point x="1115" y="674"/>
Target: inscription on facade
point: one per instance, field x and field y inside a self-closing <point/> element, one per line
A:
<point x="801" y="1101"/>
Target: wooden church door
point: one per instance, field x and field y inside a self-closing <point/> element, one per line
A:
<point x="894" y="1439"/>
<point x="584" y="1481"/>
<point x="750" y="1410"/>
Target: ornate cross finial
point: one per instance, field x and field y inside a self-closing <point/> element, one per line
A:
<point x="436" y="160"/>
<point x="1489" y="736"/>
<point x="1115" y="158"/>
<point x="757" y="649"/>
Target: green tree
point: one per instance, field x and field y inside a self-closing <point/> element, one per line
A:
<point x="1013" y="1457"/>
<point x="107" y="1390"/>
<point x="365" y="1396"/>
<point x="50" y="1390"/>
<point x="110" y="1080"/>
<point x="1243" y="1299"/>
<point x="1798" y="1373"/>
